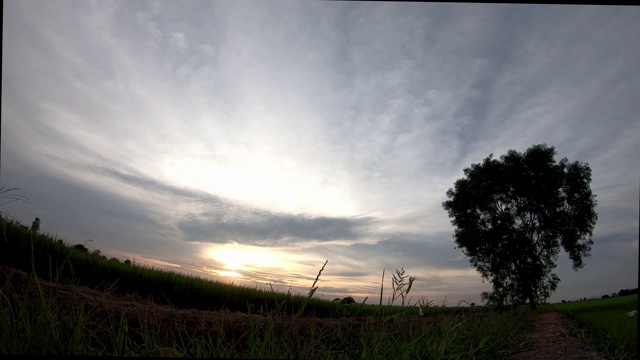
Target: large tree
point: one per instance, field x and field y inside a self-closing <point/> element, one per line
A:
<point x="512" y="215"/>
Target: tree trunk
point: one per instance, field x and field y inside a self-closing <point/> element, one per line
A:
<point x="532" y="302"/>
<point x="528" y="294"/>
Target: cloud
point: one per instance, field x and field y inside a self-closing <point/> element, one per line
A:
<point x="179" y="40"/>
<point x="331" y="127"/>
<point x="234" y="224"/>
<point x="228" y="221"/>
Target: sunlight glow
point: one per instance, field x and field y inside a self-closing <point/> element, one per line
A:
<point x="232" y="274"/>
<point x="245" y="258"/>
<point x="259" y="179"/>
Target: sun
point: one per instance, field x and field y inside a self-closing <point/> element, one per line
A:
<point x="236" y="258"/>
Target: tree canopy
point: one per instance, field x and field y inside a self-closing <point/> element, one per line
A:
<point x="511" y="216"/>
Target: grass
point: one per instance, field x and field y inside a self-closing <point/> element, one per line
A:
<point x="41" y="313"/>
<point x="52" y="259"/>
<point x="605" y="323"/>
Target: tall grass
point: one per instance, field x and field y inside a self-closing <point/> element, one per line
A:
<point x="52" y="259"/>
<point x="9" y="196"/>
<point x="39" y="315"/>
<point x="607" y="324"/>
<point x="39" y="321"/>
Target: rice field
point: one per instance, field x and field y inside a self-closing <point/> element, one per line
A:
<point x="610" y="325"/>
<point x="56" y="299"/>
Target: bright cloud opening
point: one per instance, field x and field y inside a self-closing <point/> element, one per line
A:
<point x="243" y="258"/>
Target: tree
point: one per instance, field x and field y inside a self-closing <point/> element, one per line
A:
<point x="81" y="248"/>
<point x="512" y="215"/>
<point x="35" y="226"/>
<point x="347" y="300"/>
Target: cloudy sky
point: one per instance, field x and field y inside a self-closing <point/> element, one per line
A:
<point x="250" y="141"/>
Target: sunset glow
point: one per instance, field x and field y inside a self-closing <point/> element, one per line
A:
<point x="251" y="141"/>
<point x="232" y="274"/>
<point x="245" y="258"/>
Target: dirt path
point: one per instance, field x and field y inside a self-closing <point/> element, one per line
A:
<point x="553" y="338"/>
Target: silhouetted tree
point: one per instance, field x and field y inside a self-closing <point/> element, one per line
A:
<point x="35" y="226"/>
<point x="625" y="292"/>
<point x="81" y="248"/>
<point x="347" y="300"/>
<point x="512" y="215"/>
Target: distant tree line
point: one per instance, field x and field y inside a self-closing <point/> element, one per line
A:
<point x="35" y="227"/>
<point x="97" y="253"/>
<point x="622" y="292"/>
<point x="625" y="292"/>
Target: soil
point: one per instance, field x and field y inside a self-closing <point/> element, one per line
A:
<point x="552" y="337"/>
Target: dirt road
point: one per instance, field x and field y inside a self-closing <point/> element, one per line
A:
<point x="553" y="338"/>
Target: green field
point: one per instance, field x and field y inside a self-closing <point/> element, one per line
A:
<point x="59" y="300"/>
<point x="606" y="324"/>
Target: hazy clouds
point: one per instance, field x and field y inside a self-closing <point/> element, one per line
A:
<point x="323" y="129"/>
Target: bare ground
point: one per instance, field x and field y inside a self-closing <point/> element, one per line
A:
<point x="553" y="337"/>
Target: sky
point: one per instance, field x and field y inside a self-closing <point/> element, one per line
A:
<point x="251" y="141"/>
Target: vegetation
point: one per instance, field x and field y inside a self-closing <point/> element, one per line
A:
<point x="625" y="292"/>
<point x="513" y="214"/>
<point x="54" y="260"/>
<point x="609" y="324"/>
<point x="43" y="310"/>
<point x="9" y="196"/>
